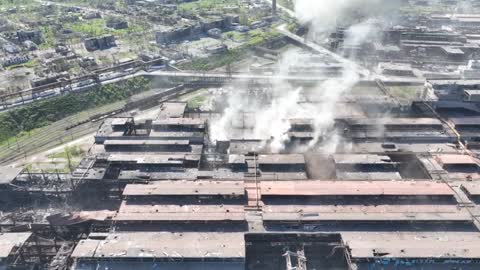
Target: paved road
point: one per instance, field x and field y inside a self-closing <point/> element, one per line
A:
<point x="189" y="75"/>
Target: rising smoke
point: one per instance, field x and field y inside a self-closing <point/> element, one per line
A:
<point x="324" y="16"/>
<point x="271" y="119"/>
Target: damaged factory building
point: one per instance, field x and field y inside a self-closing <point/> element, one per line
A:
<point x="326" y="154"/>
<point x="158" y="192"/>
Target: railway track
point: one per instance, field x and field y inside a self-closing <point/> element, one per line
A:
<point x="53" y="135"/>
<point x="79" y="125"/>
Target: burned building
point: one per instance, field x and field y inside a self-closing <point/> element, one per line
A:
<point x="165" y="249"/>
<point x="365" y="167"/>
<point x="193" y="30"/>
<point x="338" y="205"/>
<point x="319" y="162"/>
<point x="172" y="35"/>
<point x="168" y="147"/>
<point x="451" y="166"/>
<point x="207" y="203"/>
<point x="117" y="24"/>
<point x="32" y="35"/>
<point x="100" y="43"/>
<point x="404" y="250"/>
<point x="426" y="130"/>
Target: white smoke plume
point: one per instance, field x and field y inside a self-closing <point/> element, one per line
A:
<point x="274" y="122"/>
<point x="326" y="15"/>
<point x="271" y="120"/>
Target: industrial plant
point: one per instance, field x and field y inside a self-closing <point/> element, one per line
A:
<point x="242" y="135"/>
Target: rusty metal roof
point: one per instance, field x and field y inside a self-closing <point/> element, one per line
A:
<point x="442" y="245"/>
<point x="174" y="188"/>
<point x="9" y="241"/>
<point x="357" y="208"/>
<point x="161" y="212"/>
<point x="192" y="245"/>
<point x="452" y="159"/>
<point x="354" y="188"/>
<point x="472" y="189"/>
<point x="367" y="217"/>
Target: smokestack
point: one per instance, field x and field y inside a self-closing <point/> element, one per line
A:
<point x="274" y="7"/>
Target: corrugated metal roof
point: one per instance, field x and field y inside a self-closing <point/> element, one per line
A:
<point x="172" y="188"/>
<point x="451" y="159"/>
<point x="141" y="158"/>
<point x="146" y="142"/>
<point x="472" y="189"/>
<point x="172" y="110"/>
<point x="472" y="92"/>
<point x="192" y="245"/>
<point x="346" y="175"/>
<point x="367" y="217"/>
<point x="394" y="121"/>
<point x="354" y="188"/>
<point x="442" y="245"/>
<point x="161" y="212"/>
<point x="8" y="241"/>
<point x="356" y="208"/>
<point x="361" y="159"/>
<point x="470" y="121"/>
<point x="281" y="159"/>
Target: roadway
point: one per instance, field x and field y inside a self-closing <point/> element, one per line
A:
<point x="181" y="77"/>
<point x="213" y="76"/>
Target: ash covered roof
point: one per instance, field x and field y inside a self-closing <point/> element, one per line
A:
<point x="281" y="159"/>
<point x="7" y="174"/>
<point x="355" y="188"/>
<point x="186" y="188"/>
<point x="192" y="245"/>
<point x="441" y="245"/>
<point x="9" y="241"/>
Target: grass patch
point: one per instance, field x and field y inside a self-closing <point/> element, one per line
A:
<point x="257" y="37"/>
<point x="404" y="92"/>
<point x="49" y="37"/>
<point x="287" y="3"/>
<point x="207" y="5"/>
<point x="15" y="3"/>
<point x="30" y="64"/>
<point x="69" y="152"/>
<point x="41" y="113"/>
<point x="213" y="61"/>
<point x="95" y="27"/>
<point x="196" y="101"/>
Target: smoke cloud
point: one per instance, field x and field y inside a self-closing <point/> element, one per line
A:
<point x="326" y="15"/>
<point x="271" y="118"/>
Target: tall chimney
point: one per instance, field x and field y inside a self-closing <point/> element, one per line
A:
<point x="274" y="7"/>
